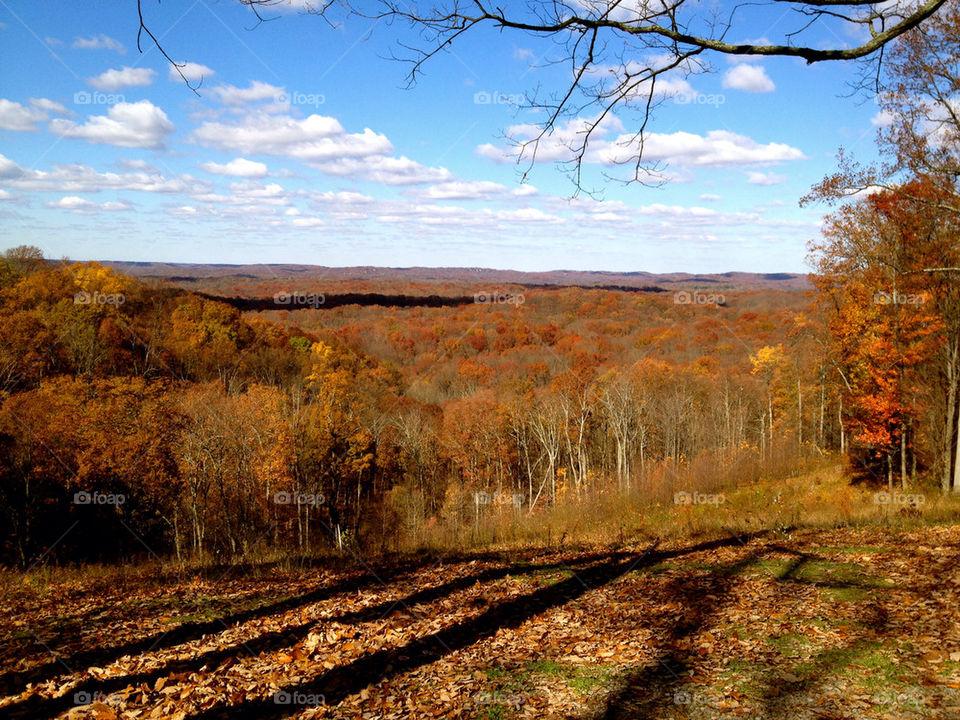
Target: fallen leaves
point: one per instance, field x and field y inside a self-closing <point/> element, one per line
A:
<point x="713" y="630"/>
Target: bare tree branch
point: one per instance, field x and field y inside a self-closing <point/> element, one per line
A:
<point x="638" y="30"/>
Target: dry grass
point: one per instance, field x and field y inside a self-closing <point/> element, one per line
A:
<point x="747" y="497"/>
<point x="814" y="492"/>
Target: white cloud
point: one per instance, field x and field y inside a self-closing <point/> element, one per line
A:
<point x="679" y="217"/>
<point x="307" y="222"/>
<point x="99" y="42"/>
<point x="749" y="78"/>
<point x="718" y="148"/>
<point x="710" y="197"/>
<point x="883" y="118"/>
<point x="463" y="190"/>
<point x="232" y="95"/>
<point x="193" y="72"/>
<point x="497" y="154"/>
<point x="526" y="215"/>
<point x="343" y="197"/>
<point x="313" y="139"/>
<point x="555" y="146"/>
<point x="124" y="77"/>
<point x="431" y="215"/>
<point x="134" y="125"/>
<point x="632" y="79"/>
<point x="247" y="194"/>
<point x="759" y="178"/>
<point x="297" y="5"/>
<point x="183" y="211"/>
<point x="389" y="170"/>
<point x="50" y="106"/>
<point x="52" y="41"/>
<point x="621" y="10"/>
<point x="18" y="117"/>
<point x="80" y="206"/>
<point x="677" y="211"/>
<point x="14" y="116"/>
<point x="239" y="167"/>
<point x="9" y="169"/>
<point x="136" y="164"/>
<point x="322" y="143"/>
<point x="76" y="178"/>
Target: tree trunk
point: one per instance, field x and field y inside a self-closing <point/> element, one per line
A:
<point x="956" y="460"/>
<point x="949" y="482"/>
<point x="799" y="414"/>
<point x="903" y="456"/>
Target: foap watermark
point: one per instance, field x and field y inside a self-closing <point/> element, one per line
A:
<point x="714" y="99"/>
<point x="98" y="298"/>
<point x="697" y="498"/>
<point x="902" y="698"/>
<point x="499" y="298"/>
<point x="684" y="297"/>
<point x="498" y="498"/>
<point x="498" y="697"/>
<point x="84" y="97"/>
<point x="898" y="298"/>
<point x="495" y="97"/>
<point x="98" y="498"/>
<point x="299" y="299"/>
<point x="295" y="97"/>
<point x="296" y="498"/>
<point x="84" y="697"/>
<point x="282" y="697"/>
<point x="702" y="699"/>
<point x="897" y="498"/>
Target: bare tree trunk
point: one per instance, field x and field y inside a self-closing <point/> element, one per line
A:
<point x="953" y="419"/>
<point x="799" y="414"/>
<point x="820" y="430"/>
<point x="843" y="433"/>
<point x="770" y="405"/>
<point x="956" y="460"/>
<point x="763" y="435"/>
<point x="903" y="456"/>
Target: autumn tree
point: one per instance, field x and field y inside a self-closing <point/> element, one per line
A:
<point x="624" y="404"/>
<point x="235" y="456"/>
<point x="891" y="322"/>
<point x="72" y="442"/>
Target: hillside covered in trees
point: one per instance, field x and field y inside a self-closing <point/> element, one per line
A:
<point x="161" y="421"/>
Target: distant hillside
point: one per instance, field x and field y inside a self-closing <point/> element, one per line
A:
<point x="185" y="272"/>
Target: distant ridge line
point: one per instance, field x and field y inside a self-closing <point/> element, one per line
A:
<point x="631" y="280"/>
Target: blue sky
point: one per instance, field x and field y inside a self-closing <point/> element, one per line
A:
<point x="304" y="145"/>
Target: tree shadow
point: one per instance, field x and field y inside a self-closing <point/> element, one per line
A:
<point x="643" y="693"/>
<point x="351" y="678"/>
<point x="781" y="696"/>
<point x="13" y="681"/>
<point x="284" y="637"/>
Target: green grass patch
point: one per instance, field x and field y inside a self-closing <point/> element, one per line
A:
<point x="842" y="661"/>
<point x="581" y="678"/>
<point x="497" y="672"/>
<point x="494" y="712"/>
<point x="842" y="581"/>
<point x="790" y="645"/>
<point x="855" y="549"/>
<point x="949" y="668"/>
